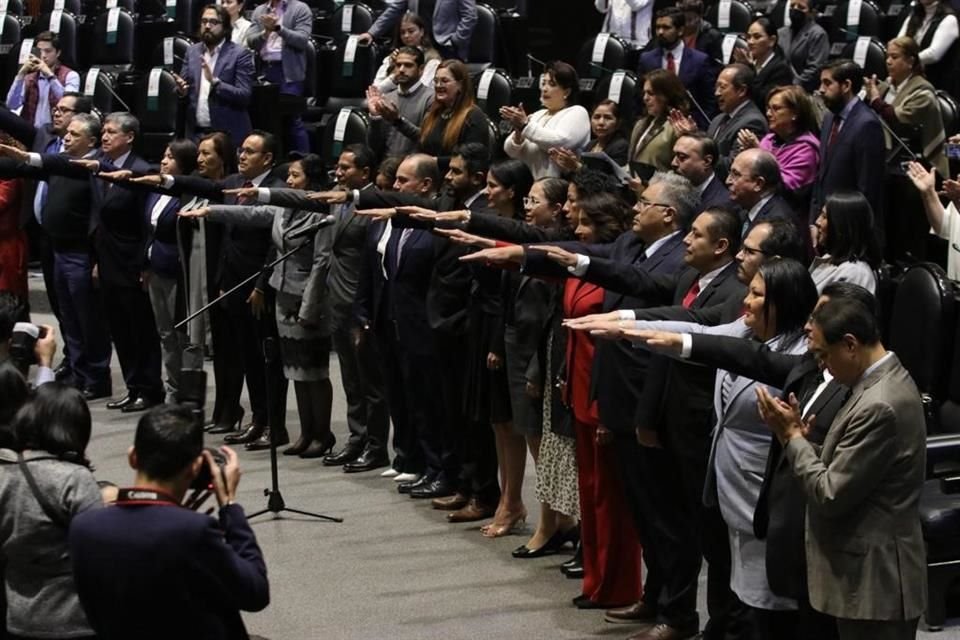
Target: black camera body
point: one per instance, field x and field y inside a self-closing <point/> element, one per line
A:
<point x="204" y="480"/>
<point x="23" y="342"/>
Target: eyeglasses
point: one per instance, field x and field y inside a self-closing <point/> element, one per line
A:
<point x="211" y="21"/>
<point x="643" y="204"/>
<point x="531" y="202"/>
<point x="59" y="109"/>
<point x="753" y="251"/>
<point x="247" y="151"/>
<point x="736" y="175"/>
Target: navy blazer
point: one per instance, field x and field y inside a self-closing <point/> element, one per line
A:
<point x="119" y="234"/>
<point x="717" y="195"/>
<point x="698" y="74"/>
<point x="856" y="161"/>
<point x="230" y="99"/>
<point x="163" y="256"/>
<point x="161" y="571"/>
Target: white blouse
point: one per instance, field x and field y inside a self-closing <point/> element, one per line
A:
<point x="568" y="128"/>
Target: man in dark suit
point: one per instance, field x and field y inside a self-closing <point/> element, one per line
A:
<point x="251" y="318"/>
<point x="119" y="240"/>
<point x="45" y="139"/>
<point x="133" y="579"/>
<point x="217" y="78"/>
<point x="694" y="157"/>
<point x="692" y="67"/>
<point x="753" y="181"/>
<point x="68" y="203"/>
<point x="698" y="33"/>
<point x="852" y="151"/>
<point x="737" y="112"/>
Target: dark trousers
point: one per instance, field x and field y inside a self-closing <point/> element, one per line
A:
<point x="135" y="337"/>
<point x="420" y="378"/>
<point x="226" y="404"/>
<point x="368" y="412"/>
<point x="276" y="383"/>
<point x="241" y="354"/>
<point x="298" y="139"/>
<point x="82" y="319"/>
<point x="408" y="457"/>
<point x="776" y="625"/>
<point x="451" y="356"/>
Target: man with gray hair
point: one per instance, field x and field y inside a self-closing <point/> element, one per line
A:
<point x="118" y="226"/>
<point x="737" y="111"/>
<point x="753" y="181"/>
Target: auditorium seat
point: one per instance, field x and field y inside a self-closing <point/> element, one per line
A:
<point x="494" y="89"/>
<point x="848" y="27"/>
<point x="96" y="7"/>
<point x="780" y="14"/>
<point x="622" y="88"/>
<point x="9" y="50"/>
<point x="101" y="87"/>
<point x="922" y="332"/>
<point x="940" y="519"/>
<point x="346" y="127"/>
<point x="730" y="16"/>
<point x="949" y="113"/>
<point x="485" y="40"/>
<point x="730" y="42"/>
<point x="71" y="6"/>
<point x="354" y="68"/>
<point x="113" y="34"/>
<point x="170" y="53"/>
<point x="603" y="54"/>
<point x="12" y="7"/>
<point x="350" y="18"/>
<point x="157" y="106"/>
<point x="869" y="53"/>
<point x="64" y="24"/>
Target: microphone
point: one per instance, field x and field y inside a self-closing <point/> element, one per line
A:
<point x="312" y="229"/>
<point x="900" y="141"/>
<point x="117" y="98"/>
<point x="697" y="105"/>
<point x="602" y="68"/>
<point x="530" y="59"/>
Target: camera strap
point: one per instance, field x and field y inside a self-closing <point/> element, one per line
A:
<point x="135" y="496"/>
<point x="49" y="509"/>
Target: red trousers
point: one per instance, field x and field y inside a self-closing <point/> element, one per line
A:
<point x="611" y="550"/>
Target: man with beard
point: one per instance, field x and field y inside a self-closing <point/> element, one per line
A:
<point x="693" y="67"/>
<point x="852" y="151"/>
<point x="401" y="110"/>
<point x="217" y="77"/>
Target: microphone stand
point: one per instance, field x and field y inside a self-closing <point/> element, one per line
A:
<point x="275" y="503"/>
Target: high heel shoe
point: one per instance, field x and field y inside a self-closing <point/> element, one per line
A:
<point x="497" y="530"/>
<point x="227" y="427"/>
<point x="551" y="546"/>
<point x="319" y="448"/>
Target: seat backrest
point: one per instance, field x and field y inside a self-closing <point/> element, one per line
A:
<point x="96" y="7"/>
<point x="9" y="50"/>
<point x="73" y="6"/>
<point x="494" y="89"/>
<point x="170" y="53"/>
<point x="869" y="53"/>
<point x="780" y="14"/>
<point x="113" y="38"/>
<point x="354" y="68"/>
<point x="157" y="107"/>
<point x="100" y="86"/>
<point x="852" y="24"/>
<point x="949" y="112"/>
<point x="13" y="7"/>
<point x="310" y="82"/>
<point x="922" y="327"/>
<point x="350" y="18"/>
<point x="730" y="16"/>
<point x="621" y="87"/>
<point x="349" y="126"/>
<point x="64" y="24"/>
<point x="483" y="42"/>
<point x="730" y="42"/>
<point x="602" y="54"/>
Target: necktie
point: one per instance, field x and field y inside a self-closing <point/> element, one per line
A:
<point x="834" y="130"/>
<point x="40" y="197"/>
<point x="726" y="386"/>
<point x="691" y="294"/>
<point x="671" y="63"/>
<point x="245" y="199"/>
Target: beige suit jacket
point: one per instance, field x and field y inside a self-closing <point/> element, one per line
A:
<point x="865" y="550"/>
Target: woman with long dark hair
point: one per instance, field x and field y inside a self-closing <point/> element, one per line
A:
<point x="654" y="134"/>
<point x="846" y="242"/>
<point x="302" y="316"/>
<point x="454" y="117"/>
<point x="52" y="432"/>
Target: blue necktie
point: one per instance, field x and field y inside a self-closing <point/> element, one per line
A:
<point x="40" y="198"/>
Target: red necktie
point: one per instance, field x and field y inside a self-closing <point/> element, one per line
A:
<point x="834" y="130"/>
<point x="692" y="294"/>
<point x="671" y="63"/>
<point x="244" y="199"/>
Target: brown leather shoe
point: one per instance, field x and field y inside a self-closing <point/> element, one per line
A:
<point x="639" y="613"/>
<point x="663" y="632"/>
<point x="450" y="503"/>
<point x="472" y="512"/>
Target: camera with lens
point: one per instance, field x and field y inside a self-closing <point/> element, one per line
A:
<point x="204" y="479"/>
<point x="23" y="342"/>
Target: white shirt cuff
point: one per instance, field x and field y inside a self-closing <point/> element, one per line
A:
<point x="44" y="375"/>
<point x="34" y="160"/>
<point x="627" y="314"/>
<point x="687" y="347"/>
<point x="263" y="195"/>
<point x="583" y="263"/>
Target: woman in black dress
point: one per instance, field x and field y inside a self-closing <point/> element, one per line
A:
<point x="453" y="118"/>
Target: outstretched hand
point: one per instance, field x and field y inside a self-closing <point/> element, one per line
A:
<point x="560" y="256"/>
<point x="498" y="255"/>
<point x="243" y="193"/>
<point x="468" y="239"/>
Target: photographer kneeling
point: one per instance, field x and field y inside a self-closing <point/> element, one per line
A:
<point x="148" y="568"/>
<point x="25" y="344"/>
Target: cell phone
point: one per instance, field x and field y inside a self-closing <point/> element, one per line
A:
<point x="952" y="149"/>
<point x="35" y="52"/>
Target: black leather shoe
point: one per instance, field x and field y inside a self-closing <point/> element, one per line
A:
<point x="342" y="457"/>
<point x="407" y="487"/>
<point x="90" y="394"/>
<point x="368" y="461"/>
<point x="251" y="433"/>
<point x="128" y="399"/>
<point x="263" y="442"/>
<point x="140" y="404"/>
<point x="575" y="572"/>
<point x="551" y="546"/>
<point x="434" y="489"/>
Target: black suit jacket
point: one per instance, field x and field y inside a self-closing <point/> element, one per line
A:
<point x="776" y="73"/>
<point x="36" y="139"/>
<point x="158" y="571"/>
<point x="677" y="398"/>
<point x="781" y="507"/>
<point x="120" y="236"/>
<point x="717" y="195"/>
<point x="773" y="209"/>
<point x="856" y="161"/>
<point x="619" y="370"/>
